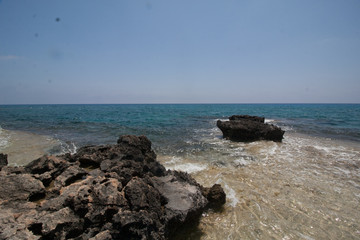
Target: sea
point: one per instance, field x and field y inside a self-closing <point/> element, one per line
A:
<point x="305" y="187"/>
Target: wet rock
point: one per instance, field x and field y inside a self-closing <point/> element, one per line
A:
<point x="244" y="128"/>
<point x="184" y="201"/>
<point x="102" y="192"/>
<point x="215" y="195"/>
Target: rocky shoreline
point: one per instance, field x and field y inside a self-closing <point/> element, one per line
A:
<point x="115" y="191"/>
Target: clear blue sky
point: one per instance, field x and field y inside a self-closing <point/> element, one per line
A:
<point x="199" y="51"/>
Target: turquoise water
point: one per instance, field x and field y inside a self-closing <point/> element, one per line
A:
<point x="172" y="124"/>
<point x="306" y="187"/>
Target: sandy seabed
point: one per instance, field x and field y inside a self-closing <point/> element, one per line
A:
<point x="302" y="188"/>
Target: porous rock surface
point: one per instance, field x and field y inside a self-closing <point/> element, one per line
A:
<point x="245" y="128"/>
<point x="102" y="192"/>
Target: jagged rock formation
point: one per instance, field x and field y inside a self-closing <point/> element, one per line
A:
<point x="102" y="192"/>
<point x="245" y="128"/>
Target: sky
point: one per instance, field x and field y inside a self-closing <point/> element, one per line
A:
<point x="198" y="51"/>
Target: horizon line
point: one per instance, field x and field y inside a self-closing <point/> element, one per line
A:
<point x="175" y="103"/>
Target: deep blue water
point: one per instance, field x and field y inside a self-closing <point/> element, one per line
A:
<point x="171" y="125"/>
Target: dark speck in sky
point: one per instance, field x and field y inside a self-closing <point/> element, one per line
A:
<point x="57" y="19"/>
<point x="148" y="6"/>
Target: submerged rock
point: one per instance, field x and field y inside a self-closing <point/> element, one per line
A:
<point x="102" y="192"/>
<point x="245" y="128"/>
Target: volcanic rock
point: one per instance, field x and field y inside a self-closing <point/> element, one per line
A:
<point x="244" y="128"/>
<point x="102" y="192"/>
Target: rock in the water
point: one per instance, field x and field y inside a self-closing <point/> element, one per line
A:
<point x="184" y="200"/>
<point x="102" y="192"/>
<point x="244" y="128"/>
<point x="215" y="196"/>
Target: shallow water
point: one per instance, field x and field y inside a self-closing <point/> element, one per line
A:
<point x="23" y="147"/>
<point x="302" y="188"/>
<point x="307" y="187"/>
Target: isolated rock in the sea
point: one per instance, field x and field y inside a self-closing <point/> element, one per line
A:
<point x="102" y="192"/>
<point x="215" y="195"/>
<point x="3" y="160"/>
<point x="244" y="128"/>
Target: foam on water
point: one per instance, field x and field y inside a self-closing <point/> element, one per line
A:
<point x="188" y="167"/>
<point x="231" y="197"/>
<point x="65" y="147"/>
<point x="240" y="162"/>
<point x="4" y="139"/>
<point x="269" y="120"/>
<point x="181" y="164"/>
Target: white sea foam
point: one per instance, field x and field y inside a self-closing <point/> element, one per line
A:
<point x="241" y="162"/>
<point x="287" y="128"/>
<point x="173" y="160"/>
<point x="221" y="119"/>
<point x="4" y="139"/>
<point x="67" y="147"/>
<point x="269" y="120"/>
<point x="188" y="167"/>
<point x="232" y="200"/>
